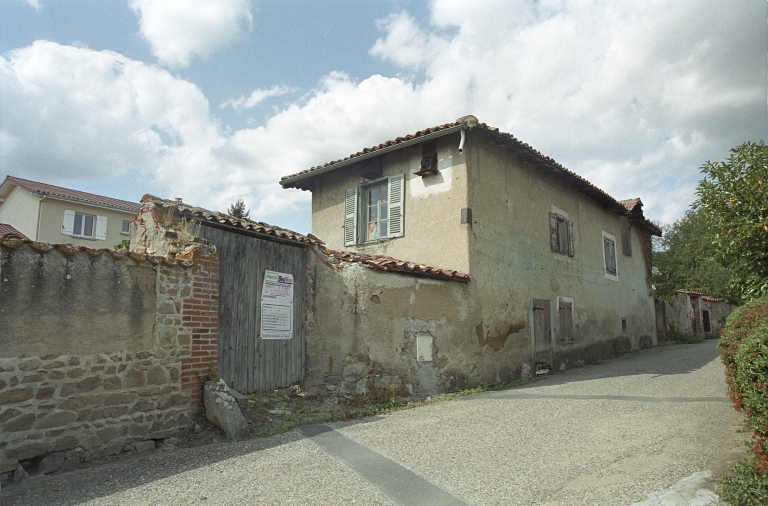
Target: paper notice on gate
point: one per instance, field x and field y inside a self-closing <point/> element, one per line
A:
<point x="277" y="306"/>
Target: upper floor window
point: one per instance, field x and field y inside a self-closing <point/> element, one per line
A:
<point x="560" y="234"/>
<point x="126" y="229"/>
<point x="609" y="257"/>
<point x="374" y="211"/>
<point x="84" y="225"/>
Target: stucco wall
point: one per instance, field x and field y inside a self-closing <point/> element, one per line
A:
<point x="511" y="261"/>
<point x="363" y="326"/>
<point x="20" y="210"/>
<point x="52" y="212"/>
<point x="433" y="233"/>
<point x="100" y="352"/>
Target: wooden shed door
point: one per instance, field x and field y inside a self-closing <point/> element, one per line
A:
<point x="542" y="335"/>
<point x="248" y="363"/>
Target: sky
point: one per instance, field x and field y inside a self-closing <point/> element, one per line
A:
<point x="215" y="100"/>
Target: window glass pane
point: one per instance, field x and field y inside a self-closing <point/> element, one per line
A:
<point x="373" y="214"/>
<point x="88" y="227"/>
<point x="78" y="228"/>
<point x="383" y="192"/>
<point x="126" y="227"/>
<point x="383" y="228"/>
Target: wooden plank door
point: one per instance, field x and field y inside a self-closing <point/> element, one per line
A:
<point x="248" y="363"/>
<point x="542" y="335"/>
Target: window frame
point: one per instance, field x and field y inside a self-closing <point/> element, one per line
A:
<point x="608" y="274"/>
<point x="122" y="229"/>
<point x="365" y="205"/>
<point x="561" y="236"/>
<point x="99" y="225"/>
<point x="356" y="211"/>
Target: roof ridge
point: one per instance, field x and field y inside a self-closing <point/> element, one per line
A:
<point x="68" y="193"/>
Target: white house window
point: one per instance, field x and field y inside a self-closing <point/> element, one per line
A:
<point x="126" y="229"/>
<point x="84" y="225"/>
<point x="560" y="234"/>
<point x="374" y="211"/>
<point x="609" y="257"/>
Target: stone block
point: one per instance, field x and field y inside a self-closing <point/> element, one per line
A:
<point x="74" y="361"/>
<point x="16" y="395"/>
<point x="27" y="450"/>
<point x="145" y="446"/>
<point x="75" y="403"/>
<point x="8" y="414"/>
<point x="19" y="475"/>
<point x="56" y="374"/>
<point x="65" y="443"/>
<point x="57" y="364"/>
<point x="23" y="422"/>
<point x="156" y="376"/>
<point x="88" y="384"/>
<point x="75" y="373"/>
<point x="3" y="384"/>
<point x="222" y="409"/>
<point x="113" y="383"/>
<point x="107" y="434"/>
<point x="45" y="393"/>
<point x="73" y="458"/>
<point x="30" y="365"/>
<point x="67" y="390"/>
<point x="52" y="463"/>
<point x="134" y="378"/>
<point x="33" y="378"/>
<point x="60" y="419"/>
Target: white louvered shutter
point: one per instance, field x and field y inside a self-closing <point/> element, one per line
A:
<point x="350" y="217"/>
<point x="101" y="227"/>
<point x="396" y="218"/>
<point x="68" y="222"/>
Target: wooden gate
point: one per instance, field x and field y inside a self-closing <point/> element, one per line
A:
<point x="247" y="363"/>
<point x="542" y="336"/>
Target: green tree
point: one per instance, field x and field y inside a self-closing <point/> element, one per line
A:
<point x="733" y="200"/>
<point x="684" y="257"/>
<point x="237" y="210"/>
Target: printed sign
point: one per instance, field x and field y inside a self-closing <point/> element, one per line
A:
<point x="277" y="306"/>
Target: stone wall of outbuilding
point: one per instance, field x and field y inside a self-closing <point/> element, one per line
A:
<point x="100" y="352"/>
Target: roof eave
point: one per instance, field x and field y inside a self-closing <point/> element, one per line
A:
<point x="85" y="202"/>
<point x="290" y="182"/>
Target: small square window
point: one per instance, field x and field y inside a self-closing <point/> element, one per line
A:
<point x="126" y="227"/>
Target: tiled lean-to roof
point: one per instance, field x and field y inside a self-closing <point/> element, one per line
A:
<point x="256" y="229"/>
<point x="224" y="220"/>
<point x="526" y="153"/>
<point x="50" y="190"/>
<point x="389" y="264"/>
<point x="8" y="231"/>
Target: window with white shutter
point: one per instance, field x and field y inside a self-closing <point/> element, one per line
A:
<point x="374" y="211"/>
<point x="609" y="257"/>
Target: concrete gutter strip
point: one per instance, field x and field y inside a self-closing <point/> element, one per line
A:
<point x="394" y="480"/>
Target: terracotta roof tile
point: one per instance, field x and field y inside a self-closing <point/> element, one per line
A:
<point x="215" y="217"/>
<point x="525" y="151"/>
<point x="66" y="193"/>
<point x="389" y="264"/>
<point x="8" y="231"/>
<point x="713" y="299"/>
<point x="631" y="204"/>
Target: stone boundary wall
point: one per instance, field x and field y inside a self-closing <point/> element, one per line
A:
<point x="123" y="382"/>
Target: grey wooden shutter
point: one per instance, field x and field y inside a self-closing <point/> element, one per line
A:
<point x="565" y="312"/>
<point x="101" y="227"/>
<point x="68" y="222"/>
<point x="350" y="217"/>
<point x="554" y="243"/>
<point x="610" y="256"/>
<point x="570" y="238"/>
<point x="396" y="190"/>
<point x="626" y="242"/>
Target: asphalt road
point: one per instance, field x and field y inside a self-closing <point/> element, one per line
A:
<point x="608" y="434"/>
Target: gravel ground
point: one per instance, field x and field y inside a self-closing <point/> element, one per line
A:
<point x="610" y="434"/>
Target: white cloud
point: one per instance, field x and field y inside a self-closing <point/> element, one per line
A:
<point x="625" y="93"/>
<point x="256" y="98"/>
<point x="178" y="30"/>
<point x="633" y="96"/>
<point x="35" y="4"/>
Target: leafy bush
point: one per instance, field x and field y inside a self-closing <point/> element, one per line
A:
<point x="741" y="324"/>
<point x="680" y="337"/>
<point x="744" y="351"/>
<point x="744" y="487"/>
